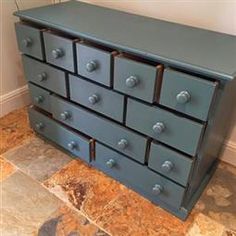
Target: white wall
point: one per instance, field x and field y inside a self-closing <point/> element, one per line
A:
<point x="13" y="90"/>
<point x="217" y="15"/>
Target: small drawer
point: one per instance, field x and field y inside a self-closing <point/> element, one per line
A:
<point x="99" y="99"/>
<point x="136" y="78"/>
<point x="170" y="163"/>
<point x="79" y="145"/>
<point x="139" y="177"/>
<point x="29" y="40"/>
<point x="59" y="51"/>
<point x="178" y="132"/>
<point x="114" y="135"/>
<point x="40" y="97"/>
<point x="187" y="94"/>
<point x="94" y="63"/>
<point x="45" y="76"/>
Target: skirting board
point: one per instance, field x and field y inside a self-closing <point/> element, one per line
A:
<point x="13" y="100"/>
<point x="229" y="153"/>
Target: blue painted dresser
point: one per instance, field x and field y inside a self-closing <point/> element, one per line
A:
<point x="146" y="101"/>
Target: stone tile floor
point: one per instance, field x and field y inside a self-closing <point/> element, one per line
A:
<point x="45" y="192"/>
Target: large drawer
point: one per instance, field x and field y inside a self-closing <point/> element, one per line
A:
<point x="29" y="40"/>
<point x="170" y="163"/>
<point x="40" y="97"/>
<point x="176" y="131"/>
<point x="78" y="145"/>
<point x="102" y="100"/>
<point x="114" y="135"/>
<point x="187" y="94"/>
<point x="45" y="76"/>
<point x="94" y="63"/>
<point x="135" y="78"/>
<point x="59" y="51"/>
<point x="138" y="176"/>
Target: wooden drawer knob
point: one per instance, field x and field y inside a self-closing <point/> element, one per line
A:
<point x="27" y="42"/>
<point x="157" y="189"/>
<point x="183" y="97"/>
<point x="72" y="145"/>
<point x="111" y="163"/>
<point x="42" y="76"/>
<point x="39" y="99"/>
<point x="39" y="126"/>
<point x="122" y="144"/>
<point x="93" y="99"/>
<point x="65" y="115"/>
<point x="167" y="166"/>
<point x="158" y="128"/>
<point x="57" y="53"/>
<point x="131" y="82"/>
<point x="91" y="66"/>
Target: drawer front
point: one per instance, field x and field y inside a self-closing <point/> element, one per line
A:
<point x="137" y="176"/>
<point x="94" y="64"/>
<point x="40" y="97"/>
<point x="45" y="76"/>
<point x="29" y="40"/>
<point x="77" y="144"/>
<point x="99" y="99"/>
<point x="170" y="163"/>
<point x="135" y="79"/>
<point x="188" y="94"/>
<point x="59" y="51"/>
<point x="108" y="132"/>
<point x="176" y="131"/>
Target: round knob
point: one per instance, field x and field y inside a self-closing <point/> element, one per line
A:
<point x="167" y="166"/>
<point x="72" y="145"/>
<point x="110" y="163"/>
<point x="183" y="97"/>
<point x="158" y="128"/>
<point x="57" y="53"/>
<point x="39" y="126"/>
<point x="42" y="76"/>
<point x="39" y="99"/>
<point x="122" y="144"/>
<point x="65" y="115"/>
<point x="27" y="42"/>
<point x="131" y="82"/>
<point x="91" y="66"/>
<point x="93" y="99"/>
<point x="157" y="189"/>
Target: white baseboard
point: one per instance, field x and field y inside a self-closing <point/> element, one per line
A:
<point x="229" y="153"/>
<point x="14" y="100"/>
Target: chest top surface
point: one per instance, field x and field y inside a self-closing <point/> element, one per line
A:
<point x="201" y="51"/>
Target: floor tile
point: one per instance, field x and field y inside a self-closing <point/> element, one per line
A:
<point x="204" y="226"/>
<point x="6" y="169"/>
<point x="218" y="200"/>
<point x="14" y="129"/>
<point x="84" y="187"/>
<point x="37" y="158"/>
<point x="25" y="205"/>
<point x="131" y="214"/>
<point x="66" y="222"/>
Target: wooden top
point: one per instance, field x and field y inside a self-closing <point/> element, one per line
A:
<point x="201" y="51"/>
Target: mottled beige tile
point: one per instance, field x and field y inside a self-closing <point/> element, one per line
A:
<point x="14" y="129"/>
<point x="37" y="158"/>
<point x="218" y="200"/>
<point x="6" y="169"/>
<point x="25" y="205"/>
<point x="66" y="222"/>
<point x="204" y="226"/>
<point x="131" y="214"/>
<point x="84" y="187"/>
